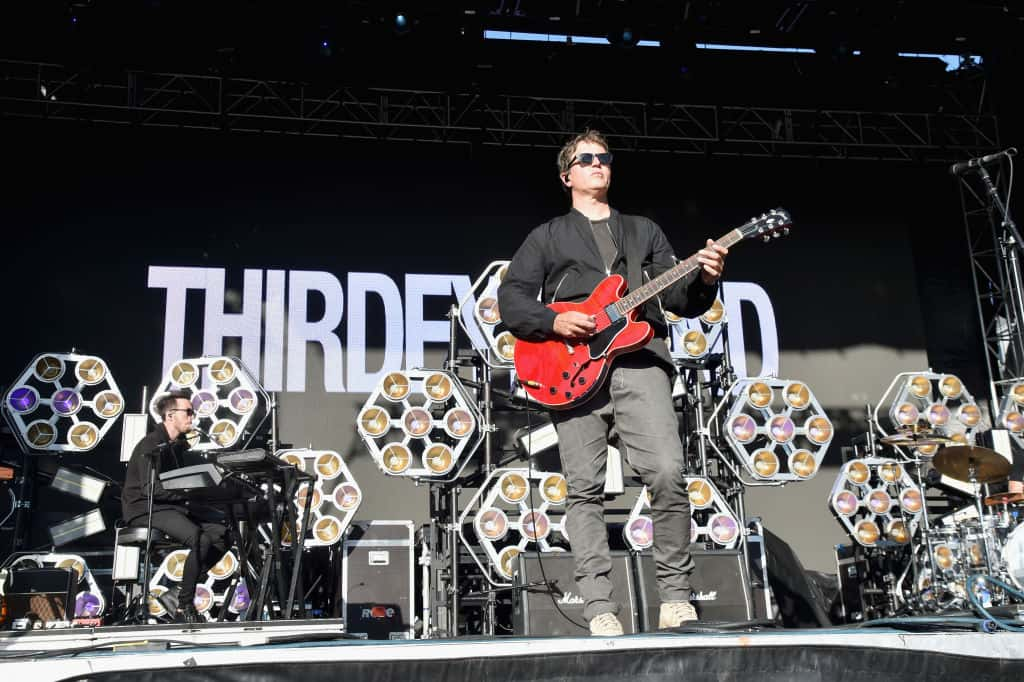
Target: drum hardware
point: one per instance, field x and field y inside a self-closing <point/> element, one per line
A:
<point x="974" y="465"/>
<point x="922" y="575"/>
<point x="1001" y="507"/>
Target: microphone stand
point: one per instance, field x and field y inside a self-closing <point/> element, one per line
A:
<point x="143" y="608"/>
<point x="993" y="195"/>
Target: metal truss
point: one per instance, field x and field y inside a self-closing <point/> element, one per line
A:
<point x="995" y="263"/>
<point x="211" y="102"/>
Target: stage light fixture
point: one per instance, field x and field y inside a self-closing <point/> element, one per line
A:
<point x="336" y="496"/>
<point x="478" y="309"/>
<point x="211" y="590"/>
<point x="230" y="404"/>
<point x="712" y="520"/>
<point x="693" y="339"/>
<point x="51" y="409"/>
<point x="83" y="486"/>
<point x="944" y="556"/>
<point x="776" y="428"/>
<point x="81" y="526"/>
<point x="927" y="400"/>
<point x="538" y="439"/>
<point x="1011" y="412"/>
<point x="421" y="424"/>
<point x="439" y="459"/>
<point x="870" y="495"/>
<point x="417" y="422"/>
<point x="504" y="524"/>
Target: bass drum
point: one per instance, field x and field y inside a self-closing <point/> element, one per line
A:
<point x="1013" y="556"/>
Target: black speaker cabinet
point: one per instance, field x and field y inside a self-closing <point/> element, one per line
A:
<point x="378" y="578"/>
<point x="542" y="597"/>
<point x="717" y="583"/>
<point x="45" y="594"/>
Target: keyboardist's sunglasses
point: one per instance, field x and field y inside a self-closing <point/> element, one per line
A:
<point x="187" y="410"/>
<point x="587" y="158"/>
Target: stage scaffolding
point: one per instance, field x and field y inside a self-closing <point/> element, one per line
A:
<point x="995" y="253"/>
<point x="36" y="90"/>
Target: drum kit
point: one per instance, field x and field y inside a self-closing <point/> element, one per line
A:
<point x="981" y="540"/>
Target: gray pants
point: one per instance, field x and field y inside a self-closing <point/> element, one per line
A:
<point x="637" y="399"/>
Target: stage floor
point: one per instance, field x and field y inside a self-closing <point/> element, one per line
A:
<point x="314" y="651"/>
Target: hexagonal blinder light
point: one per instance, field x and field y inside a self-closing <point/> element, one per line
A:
<point x="62" y="402"/>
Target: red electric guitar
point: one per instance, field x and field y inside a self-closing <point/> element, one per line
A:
<point x="562" y="373"/>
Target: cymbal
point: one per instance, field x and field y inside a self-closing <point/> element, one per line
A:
<point x="1004" y="498"/>
<point x="916" y="440"/>
<point x="960" y="461"/>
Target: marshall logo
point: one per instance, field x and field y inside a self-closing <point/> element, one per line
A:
<point x="378" y="613"/>
<point x="705" y="596"/>
<point x="570" y="598"/>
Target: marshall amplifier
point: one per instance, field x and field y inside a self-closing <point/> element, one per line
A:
<point x="717" y="583"/>
<point x="41" y="594"/>
<point x="377" y="579"/>
<point x="541" y="598"/>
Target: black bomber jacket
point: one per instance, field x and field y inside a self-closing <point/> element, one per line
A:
<point x="560" y="261"/>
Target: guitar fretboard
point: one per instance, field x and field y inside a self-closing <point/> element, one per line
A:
<point x="651" y="289"/>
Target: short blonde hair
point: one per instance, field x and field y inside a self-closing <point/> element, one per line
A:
<point x="567" y="154"/>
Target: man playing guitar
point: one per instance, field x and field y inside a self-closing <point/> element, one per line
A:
<point x="565" y="259"/>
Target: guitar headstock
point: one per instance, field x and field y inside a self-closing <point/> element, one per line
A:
<point x="774" y="223"/>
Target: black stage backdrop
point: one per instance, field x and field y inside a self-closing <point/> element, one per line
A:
<point x="874" y="279"/>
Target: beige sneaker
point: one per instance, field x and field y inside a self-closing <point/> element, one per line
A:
<point x="675" y="613"/>
<point x="605" y="625"/>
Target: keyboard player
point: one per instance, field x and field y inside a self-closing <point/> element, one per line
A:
<point x="164" y="447"/>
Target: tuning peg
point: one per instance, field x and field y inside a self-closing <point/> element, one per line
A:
<point x="767" y="237"/>
<point x="785" y="230"/>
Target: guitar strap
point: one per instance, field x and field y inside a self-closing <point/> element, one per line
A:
<point x="627" y="245"/>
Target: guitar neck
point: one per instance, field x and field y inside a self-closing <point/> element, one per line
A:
<point x="641" y="295"/>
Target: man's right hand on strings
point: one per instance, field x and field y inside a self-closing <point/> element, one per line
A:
<point x="573" y="324"/>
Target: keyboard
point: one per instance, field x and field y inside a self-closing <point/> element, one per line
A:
<point x="187" y="478"/>
<point x="255" y="463"/>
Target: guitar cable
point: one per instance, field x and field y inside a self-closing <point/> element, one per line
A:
<point x="540" y="563"/>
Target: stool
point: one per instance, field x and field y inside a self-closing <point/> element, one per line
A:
<point x="129" y="545"/>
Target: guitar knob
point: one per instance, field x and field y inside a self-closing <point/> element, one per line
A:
<point x="582" y="380"/>
<point x="565" y="375"/>
<point x="553" y="390"/>
<point x="568" y="395"/>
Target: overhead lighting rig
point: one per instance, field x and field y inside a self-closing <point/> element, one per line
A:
<point x="226" y="398"/>
<point x="63" y="402"/>
<point x="513" y="509"/>
<point x="420" y="424"/>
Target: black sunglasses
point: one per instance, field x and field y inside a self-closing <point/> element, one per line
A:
<point x="187" y="410"/>
<point x="587" y="158"/>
